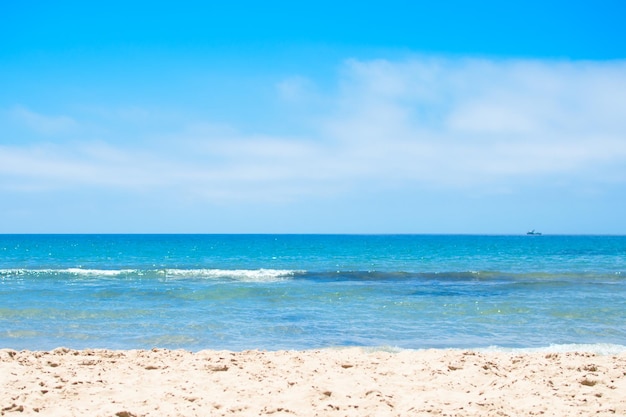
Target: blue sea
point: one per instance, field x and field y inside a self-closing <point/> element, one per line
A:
<point x="275" y="292"/>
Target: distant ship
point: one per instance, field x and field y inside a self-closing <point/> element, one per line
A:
<point x="533" y="233"/>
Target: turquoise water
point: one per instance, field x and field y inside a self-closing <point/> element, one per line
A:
<point x="309" y="291"/>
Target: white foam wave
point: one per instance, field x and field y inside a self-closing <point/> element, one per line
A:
<point x="69" y="271"/>
<point x="99" y="272"/>
<point x="597" y="348"/>
<point x="248" y="275"/>
<point x="601" y="349"/>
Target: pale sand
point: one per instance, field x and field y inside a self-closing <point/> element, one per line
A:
<point x="343" y="382"/>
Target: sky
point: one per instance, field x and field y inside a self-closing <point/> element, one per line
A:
<point x="313" y="117"/>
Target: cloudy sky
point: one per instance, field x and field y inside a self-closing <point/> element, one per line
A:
<point x="278" y="117"/>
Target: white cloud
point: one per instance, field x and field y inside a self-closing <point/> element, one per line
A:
<point x="424" y="122"/>
<point x="446" y="122"/>
<point x="43" y="123"/>
<point x="51" y="166"/>
<point x="295" y="88"/>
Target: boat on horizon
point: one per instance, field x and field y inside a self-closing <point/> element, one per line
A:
<point x="533" y="233"/>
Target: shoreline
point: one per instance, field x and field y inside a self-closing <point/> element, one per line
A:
<point x="323" y="382"/>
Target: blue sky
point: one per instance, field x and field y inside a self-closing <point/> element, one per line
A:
<point x="279" y="117"/>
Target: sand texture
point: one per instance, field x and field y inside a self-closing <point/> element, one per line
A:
<point x="329" y="382"/>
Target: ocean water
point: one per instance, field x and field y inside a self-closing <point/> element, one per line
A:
<point x="274" y="292"/>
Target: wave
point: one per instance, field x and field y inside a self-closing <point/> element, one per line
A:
<point x="248" y="275"/>
<point x="602" y="349"/>
<point x="271" y="275"/>
<point x="595" y="348"/>
<point x="251" y="275"/>
<point x="462" y="276"/>
<point x="17" y="272"/>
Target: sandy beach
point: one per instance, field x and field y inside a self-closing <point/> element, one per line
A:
<point x="328" y="382"/>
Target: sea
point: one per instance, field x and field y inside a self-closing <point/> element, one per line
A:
<point x="275" y="292"/>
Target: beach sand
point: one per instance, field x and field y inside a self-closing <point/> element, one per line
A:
<point x="328" y="382"/>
